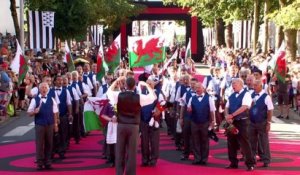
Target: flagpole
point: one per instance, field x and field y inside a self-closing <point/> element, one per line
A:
<point x="22" y="24"/>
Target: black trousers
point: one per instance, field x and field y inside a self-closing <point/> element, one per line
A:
<point x="126" y="149"/>
<point x="200" y="140"/>
<point x="187" y="141"/>
<point x="241" y="140"/>
<point x="149" y="143"/>
<point x="260" y="137"/>
<point x="63" y="134"/>
<point x="44" y="143"/>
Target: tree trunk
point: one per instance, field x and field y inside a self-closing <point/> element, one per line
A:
<point x="14" y="15"/>
<point x="290" y="36"/>
<point x="266" y="21"/>
<point x="229" y="36"/>
<point x="220" y="36"/>
<point x="279" y="36"/>
<point x="255" y="28"/>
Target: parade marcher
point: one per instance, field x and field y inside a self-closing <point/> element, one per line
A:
<point x="128" y="116"/>
<point x="260" y="116"/>
<point x="65" y="115"/>
<point x="236" y="109"/>
<point x="75" y="107"/>
<point x="185" y="119"/>
<point x="258" y="76"/>
<point x="214" y="89"/>
<point x="88" y="78"/>
<point x="103" y="88"/>
<point x="150" y="133"/>
<point x="249" y="84"/>
<point x="202" y="109"/>
<point x="44" y="109"/>
<point x="77" y="118"/>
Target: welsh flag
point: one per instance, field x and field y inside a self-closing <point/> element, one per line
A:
<point x="145" y="50"/>
<point x="280" y="68"/>
<point x="68" y="58"/>
<point x="91" y="113"/>
<point x="278" y="63"/>
<point x="19" y="64"/>
<point x="100" y="65"/>
<point x="113" y="55"/>
<point x="188" y="52"/>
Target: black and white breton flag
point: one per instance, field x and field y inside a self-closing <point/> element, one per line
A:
<point x="40" y="25"/>
<point x="96" y="33"/>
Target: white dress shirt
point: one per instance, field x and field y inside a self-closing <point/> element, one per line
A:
<point x="33" y="104"/>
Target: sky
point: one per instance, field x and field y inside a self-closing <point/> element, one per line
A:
<point x="6" y="22"/>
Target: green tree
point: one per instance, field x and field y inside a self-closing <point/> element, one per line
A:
<point x="218" y="13"/>
<point x="72" y="17"/>
<point x="288" y="16"/>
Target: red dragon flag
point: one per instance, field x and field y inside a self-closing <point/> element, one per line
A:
<point x="280" y="68"/>
<point x="100" y="65"/>
<point x="113" y="54"/>
<point x="19" y="64"/>
<point x="145" y="50"/>
<point x="68" y="58"/>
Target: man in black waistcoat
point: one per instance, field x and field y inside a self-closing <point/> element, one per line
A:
<point x="128" y="116"/>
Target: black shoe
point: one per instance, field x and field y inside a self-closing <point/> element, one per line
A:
<point x="48" y="167"/>
<point x="152" y="164"/>
<point x="62" y="156"/>
<point x="266" y="165"/>
<point x="39" y="167"/>
<point x="250" y="168"/>
<point x="203" y="163"/>
<point x="287" y="117"/>
<point x="144" y="164"/>
<point x="184" y="158"/>
<point x="103" y="157"/>
<point x="279" y="116"/>
<point x="112" y="165"/>
<point x="197" y="163"/>
<point x="231" y="167"/>
<point x="178" y="149"/>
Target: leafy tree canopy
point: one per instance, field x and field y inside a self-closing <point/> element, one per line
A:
<point x="72" y="17"/>
<point x="209" y="10"/>
<point x="288" y="16"/>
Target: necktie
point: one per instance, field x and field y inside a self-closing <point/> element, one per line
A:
<point x="256" y="94"/>
<point x="58" y="89"/>
<point x="44" y="97"/>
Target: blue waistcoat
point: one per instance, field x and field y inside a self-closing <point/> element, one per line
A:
<point x="80" y="86"/>
<point x="46" y="115"/>
<point x="189" y="94"/>
<point x="104" y="88"/>
<point x="200" y="109"/>
<point x="183" y="89"/>
<point x="146" y="111"/>
<point x="63" y="108"/>
<point x="235" y="103"/>
<point x="70" y="91"/>
<point x="258" y="111"/>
